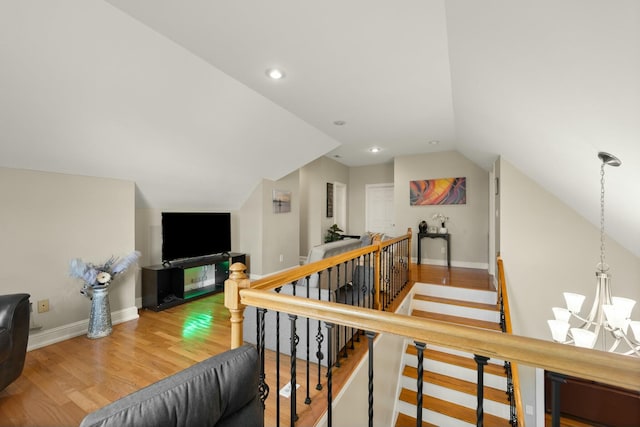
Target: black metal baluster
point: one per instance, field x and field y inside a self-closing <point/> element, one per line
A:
<point x="307" y="400"/>
<point x="370" y="336"/>
<point x="346" y="329"/>
<point x="356" y="289"/>
<point x="329" y="376"/>
<point x="556" y="381"/>
<point x="294" y="344"/>
<point x="387" y="282"/>
<point x="338" y="299"/>
<point x="319" y="338"/>
<point x="420" y="346"/>
<point x="371" y="290"/>
<point x="355" y="293"/>
<point x="481" y="361"/>
<point x="278" y="363"/>
<point x="263" y="388"/>
<point x="394" y="282"/>
<point x="513" y="416"/>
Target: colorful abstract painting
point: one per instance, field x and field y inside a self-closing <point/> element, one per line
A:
<point x="440" y="191"/>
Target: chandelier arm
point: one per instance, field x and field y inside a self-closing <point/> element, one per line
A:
<point x="634" y="346"/>
<point x="615" y="344"/>
<point x="586" y="323"/>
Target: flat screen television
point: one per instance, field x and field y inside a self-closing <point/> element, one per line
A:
<point x="195" y="234"/>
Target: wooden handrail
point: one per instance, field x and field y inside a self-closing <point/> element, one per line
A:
<point x="502" y="284"/>
<point x="608" y="368"/>
<point x="276" y="280"/>
<point x="239" y="280"/>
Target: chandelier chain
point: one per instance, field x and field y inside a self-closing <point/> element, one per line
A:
<point x="602" y="263"/>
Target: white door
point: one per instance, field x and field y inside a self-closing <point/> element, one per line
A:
<point x="379" y="208"/>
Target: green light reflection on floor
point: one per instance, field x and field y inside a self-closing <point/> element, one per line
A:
<point x="196" y="323"/>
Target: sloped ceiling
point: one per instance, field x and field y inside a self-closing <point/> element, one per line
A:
<point x="174" y="95"/>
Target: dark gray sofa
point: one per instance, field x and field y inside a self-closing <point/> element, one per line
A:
<point x="221" y="391"/>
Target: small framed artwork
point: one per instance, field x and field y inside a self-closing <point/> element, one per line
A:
<point x="281" y="201"/>
<point x="329" y="200"/>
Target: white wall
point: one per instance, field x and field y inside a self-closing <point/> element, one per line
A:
<point x="47" y="219"/>
<point x="468" y="224"/>
<point x="548" y="248"/>
<point x="314" y="178"/>
<point x="281" y="231"/>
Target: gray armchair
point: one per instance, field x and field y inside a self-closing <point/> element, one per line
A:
<point x="14" y="334"/>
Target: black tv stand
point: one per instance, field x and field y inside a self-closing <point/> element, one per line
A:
<point x="163" y="285"/>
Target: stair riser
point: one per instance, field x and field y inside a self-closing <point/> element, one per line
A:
<point x="431" y="417"/>
<point x="498" y="362"/>
<point x="462" y="294"/>
<point x="457" y="372"/>
<point x="457" y="310"/>
<point x="470" y="401"/>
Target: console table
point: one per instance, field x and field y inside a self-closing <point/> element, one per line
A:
<point x="445" y="236"/>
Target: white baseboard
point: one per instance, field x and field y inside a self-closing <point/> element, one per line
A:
<point x="463" y="264"/>
<point x="65" y="332"/>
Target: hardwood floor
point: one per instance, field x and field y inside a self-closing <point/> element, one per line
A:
<point x="63" y="382"/>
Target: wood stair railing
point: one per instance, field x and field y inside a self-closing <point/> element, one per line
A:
<point x="608" y="368"/>
<point x="503" y="301"/>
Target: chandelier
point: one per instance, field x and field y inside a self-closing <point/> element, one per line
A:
<point x="609" y="315"/>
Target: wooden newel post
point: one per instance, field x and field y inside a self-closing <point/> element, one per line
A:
<point x="237" y="280"/>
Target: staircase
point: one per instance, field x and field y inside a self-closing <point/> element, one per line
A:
<point x="449" y="377"/>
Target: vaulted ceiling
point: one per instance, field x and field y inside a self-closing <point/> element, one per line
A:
<point x="174" y="96"/>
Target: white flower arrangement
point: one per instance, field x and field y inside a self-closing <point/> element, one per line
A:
<point x="100" y="275"/>
<point x="440" y="218"/>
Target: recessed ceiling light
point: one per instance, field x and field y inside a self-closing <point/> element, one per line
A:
<point x="375" y="149"/>
<point x="434" y="142"/>
<point x="275" y="73"/>
<point x="339" y="123"/>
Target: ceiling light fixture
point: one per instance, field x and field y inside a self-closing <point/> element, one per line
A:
<point x="375" y="149"/>
<point x="339" y="123"/>
<point x="434" y="142"/>
<point x="608" y="314"/>
<point x="275" y="73"/>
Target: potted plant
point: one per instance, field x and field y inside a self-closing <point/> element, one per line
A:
<point x="333" y="234"/>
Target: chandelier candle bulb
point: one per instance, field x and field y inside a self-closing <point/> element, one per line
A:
<point x="561" y="314"/>
<point x="624" y="305"/>
<point x="635" y="327"/>
<point x="559" y="330"/>
<point x="583" y="337"/>
<point x="615" y="317"/>
<point x="574" y="301"/>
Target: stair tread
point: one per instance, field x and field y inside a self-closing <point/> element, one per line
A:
<point x="457" y="384"/>
<point x="457" y="320"/>
<point x="451" y="409"/>
<point x="408" y="421"/>
<point x="454" y="359"/>
<point x="462" y="303"/>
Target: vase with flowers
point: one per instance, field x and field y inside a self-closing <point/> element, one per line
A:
<point x="96" y="280"/>
<point x="440" y="218"/>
